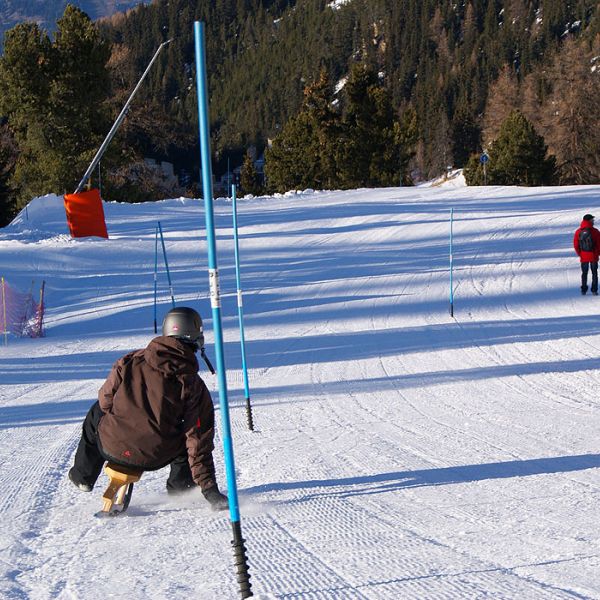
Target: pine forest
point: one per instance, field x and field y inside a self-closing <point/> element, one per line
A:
<point x="333" y="94"/>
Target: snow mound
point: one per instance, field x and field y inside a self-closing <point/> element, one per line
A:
<point x="42" y="218"/>
<point x="454" y="178"/>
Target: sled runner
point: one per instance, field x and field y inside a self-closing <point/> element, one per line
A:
<point x="117" y="496"/>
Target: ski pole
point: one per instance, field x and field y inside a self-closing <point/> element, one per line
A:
<point x="239" y="549"/>
<point x="4" y="312"/>
<point x="162" y="241"/>
<point x="241" y="309"/>
<point x="40" y="323"/>
<point x="155" y="275"/>
<point x="451" y="264"/>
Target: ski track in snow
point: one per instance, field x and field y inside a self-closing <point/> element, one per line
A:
<point x="398" y="452"/>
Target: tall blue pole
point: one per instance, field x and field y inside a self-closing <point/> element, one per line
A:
<point x="155" y="275"/>
<point x="239" y="550"/>
<point x="240" y="304"/>
<point x="451" y="263"/>
<point x="228" y="176"/>
<point x="162" y="241"/>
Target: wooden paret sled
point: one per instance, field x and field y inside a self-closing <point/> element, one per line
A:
<point x="117" y="496"/>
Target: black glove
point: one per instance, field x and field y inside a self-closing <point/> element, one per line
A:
<point x="216" y="500"/>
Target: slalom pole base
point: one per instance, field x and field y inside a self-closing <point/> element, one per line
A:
<point x="451" y="310"/>
<point x="241" y="560"/>
<point x="249" y="415"/>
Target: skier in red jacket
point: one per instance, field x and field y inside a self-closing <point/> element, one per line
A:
<point x="586" y="242"/>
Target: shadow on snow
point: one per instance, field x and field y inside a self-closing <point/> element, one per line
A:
<point x="390" y="482"/>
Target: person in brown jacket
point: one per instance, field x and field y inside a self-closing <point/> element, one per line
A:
<point x="154" y="410"/>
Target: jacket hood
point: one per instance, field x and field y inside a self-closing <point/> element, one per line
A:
<point x="171" y="357"/>
<point x="585" y="223"/>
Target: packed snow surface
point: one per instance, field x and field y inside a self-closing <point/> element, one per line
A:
<point x="398" y="452"/>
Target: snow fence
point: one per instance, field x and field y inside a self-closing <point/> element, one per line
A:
<point x="20" y="314"/>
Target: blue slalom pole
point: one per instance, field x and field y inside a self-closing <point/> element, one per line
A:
<point x="240" y="304"/>
<point x="155" y="275"/>
<point x="451" y="263"/>
<point x="162" y="241"/>
<point x="239" y="550"/>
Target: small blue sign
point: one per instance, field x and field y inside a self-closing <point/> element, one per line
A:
<point x="484" y="158"/>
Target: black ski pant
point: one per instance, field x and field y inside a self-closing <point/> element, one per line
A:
<point x="89" y="460"/>
<point x="585" y="267"/>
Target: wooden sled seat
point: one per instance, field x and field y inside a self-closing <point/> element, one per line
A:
<point x="121" y="480"/>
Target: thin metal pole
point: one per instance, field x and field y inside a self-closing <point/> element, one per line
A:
<point x="155" y="276"/>
<point x="451" y="263"/>
<point x="29" y="309"/>
<point x="162" y="241"/>
<point x="41" y="313"/>
<point x="4" y="312"/>
<point x="118" y="122"/>
<point x="240" y="304"/>
<point x="239" y="550"/>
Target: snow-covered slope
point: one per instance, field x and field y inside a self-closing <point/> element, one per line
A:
<point x="399" y="453"/>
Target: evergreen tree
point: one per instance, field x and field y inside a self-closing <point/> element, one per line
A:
<point x="288" y="164"/>
<point x="303" y="154"/>
<point x="465" y="135"/>
<point x="25" y="74"/>
<point x="52" y="94"/>
<point x="7" y="201"/>
<point x="519" y="155"/>
<point x="249" y="180"/>
<point x="366" y="147"/>
<point x="473" y="171"/>
<point x="77" y="121"/>
<point x="438" y="143"/>
<point x="406" y="133"/>
<point x="368" y="154"/>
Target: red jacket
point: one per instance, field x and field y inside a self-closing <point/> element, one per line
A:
<point x="583" y="255"/>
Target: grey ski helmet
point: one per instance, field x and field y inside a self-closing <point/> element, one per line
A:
<point x="184" y="323"/>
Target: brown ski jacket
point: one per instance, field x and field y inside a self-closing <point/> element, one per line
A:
<point x="156" y="408"/>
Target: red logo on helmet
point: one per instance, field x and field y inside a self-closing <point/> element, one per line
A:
<point x="127" y="453"/>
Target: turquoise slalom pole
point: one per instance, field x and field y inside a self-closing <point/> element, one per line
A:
<point x="451" y="263"/>
<point x="240" y="304"/>
<point x="155" y="275"/>
<point x="162" y="241"/>
<point x="239" y="550"/>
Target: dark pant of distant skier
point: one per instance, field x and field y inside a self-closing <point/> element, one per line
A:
<point x="585" y="267"/>
<point x="89" y="462"/>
